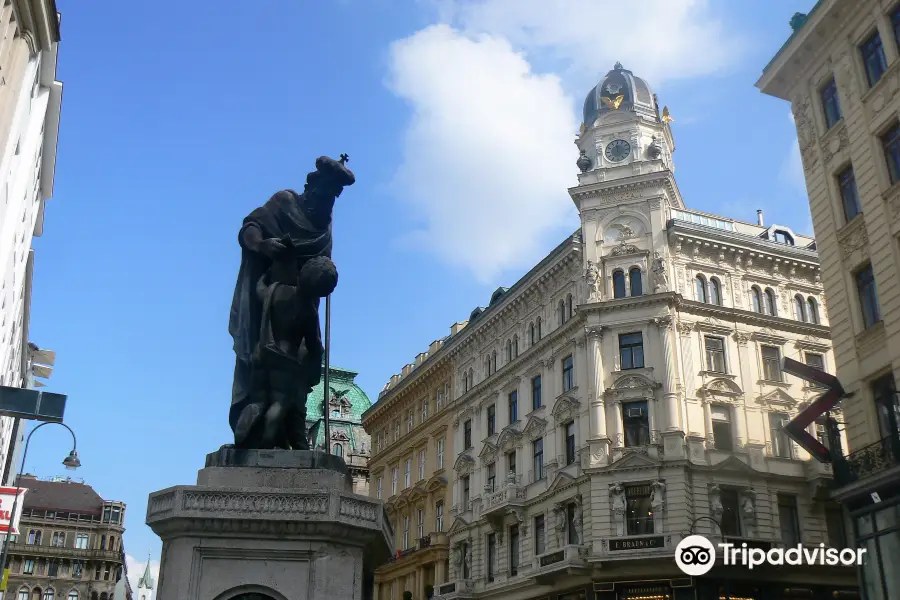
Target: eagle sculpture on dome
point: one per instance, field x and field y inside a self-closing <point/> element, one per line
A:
<point x="613" y="104"/>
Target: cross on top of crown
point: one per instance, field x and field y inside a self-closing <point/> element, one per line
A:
<point x="345" y="158"/>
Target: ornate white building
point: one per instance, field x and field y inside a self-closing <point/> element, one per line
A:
<point x="629" y="390"/>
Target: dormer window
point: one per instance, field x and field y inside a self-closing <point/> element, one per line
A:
<point x="783" y="237"/>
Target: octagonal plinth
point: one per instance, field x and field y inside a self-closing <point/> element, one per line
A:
<point x="290" y="532"/>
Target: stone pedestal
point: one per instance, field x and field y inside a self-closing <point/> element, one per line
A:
<point x="279" y="524"/>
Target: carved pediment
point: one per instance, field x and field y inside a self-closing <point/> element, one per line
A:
<point x="509" y="438"/>
<point x="767" y="335"/>
<point x="633" y="385"/>
<point x="464" y="464"/>
<point x="811" y="343"/>
<point x="435" y="483"/>
<point x="561" y="480"/>
<point x="732" y="463"/>
<point x="634" y="460"/>
<point x="713" y="325"/>
<point x="623" y="248"/>
<point x="488" y="452"/>
<point x="534" y="427"/>
<point x="458" y="525"/>
<point x="721" y="387"/>
<point x="778" y="399"/>
<point x="565" y="409"/>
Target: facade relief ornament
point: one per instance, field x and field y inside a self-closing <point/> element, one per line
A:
<point x="617" y="497"/>
<point x="685" y="327"/>
<point x="854" y="238"/>
<point x="660" y="278"/>
<point x="741" y="338"/>
<point x="658" y="504"/>
<point x="622" y="249"/>
<point x="715" y="501"/>
<point x="594" y="281"/>
<point x="663" y="322"/>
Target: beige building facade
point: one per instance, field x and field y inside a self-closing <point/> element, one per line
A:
<point x="628" y="391"/>
<point x="840" y="70"/>
<point x="409" y="471"/>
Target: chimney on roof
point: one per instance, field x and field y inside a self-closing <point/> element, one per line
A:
<point x="759" y="217"/>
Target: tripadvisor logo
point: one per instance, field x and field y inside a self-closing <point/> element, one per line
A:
<point x="696" y="555"/>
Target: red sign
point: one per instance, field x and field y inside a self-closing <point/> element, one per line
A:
<point x="796" y="429"/>
<point x="7" y="499"/>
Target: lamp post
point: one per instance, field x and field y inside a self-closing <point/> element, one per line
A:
<point x="71" y="462"/>
<point x="719" y="526"/>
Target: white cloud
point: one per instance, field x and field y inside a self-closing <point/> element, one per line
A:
<point x="489" y="153"/>
<point x="136" y="569"/>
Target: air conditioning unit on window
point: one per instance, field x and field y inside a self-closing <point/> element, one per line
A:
<point x="634" y="413"/>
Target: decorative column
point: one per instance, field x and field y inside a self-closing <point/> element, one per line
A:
<point x="598" y="440"/>
<point x="707" y="421"/>
<point x="670" y="393"/>
<point x="740" y="409"/>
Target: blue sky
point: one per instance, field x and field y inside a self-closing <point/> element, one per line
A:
<point x="459" y="118"/>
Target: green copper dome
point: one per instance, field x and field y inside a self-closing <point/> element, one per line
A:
<point x="347" y="404"/>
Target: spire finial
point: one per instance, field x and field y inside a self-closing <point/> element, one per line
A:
<point x="345" y="158"/>
<point x="618" y="66"/>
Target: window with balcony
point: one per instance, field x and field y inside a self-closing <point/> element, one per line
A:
<point x="439" y="516"/>
<point x="421" y="465"/>
<point x="887" y="407"/>
<point x="715" y="353"/>
<point x="538" y="458"/>
<point x="868" y="296"/>
<point x="730" y="519"/>
<point x="491" y="556"/>
<point x="634" y="278"/>
<point x="467" y="434"/>
<point x="34" y="537"/>
<point x="28" y="567"/>
<point x="440" y="453"/>
<point x="771" y="363"/>
<point x="395" y="475"/>
<point x="58" y="540"/>
<point x="722" y="431"/>
<point x="513" y="400"/>
<point x="420" y="523"/>
<point x="540" y="537"/>
<point x="830" y="103"/>
<point x="891" y="144"/>
<point x="491" y="477"/>
<point x="81" y="541"/>
<point x="571" y="525"/>
<point x="569" y="429"/>
<point x="378" y="488"/>
<point x="511" y="462"/>
<point x="636" y="424"/>
<point x="405" y="532"/>
<point x="514" y="550"/>
<point x="849" y="194"/>
<point x="788" y="519"/>
<point x="631" y="351"/>
<point x="491" y="419"/>
<point x="618" y="284"/>
<point x="873" y="58"/>
<point x="568" y="373"/>
<point x="639" y="515"/>
<point x="536" y="392"/>
<point x="407" y="474"/>
<point x="781" y="443"/>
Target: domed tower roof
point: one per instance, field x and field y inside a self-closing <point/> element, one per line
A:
<point x="620" y="90"/>
<point x="347" y="403"/>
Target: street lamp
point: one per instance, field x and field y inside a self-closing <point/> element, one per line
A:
<point x="71" y="462"/>
<point x="719" y="526"/>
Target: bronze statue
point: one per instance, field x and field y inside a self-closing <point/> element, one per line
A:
<point x="285" y="269"/>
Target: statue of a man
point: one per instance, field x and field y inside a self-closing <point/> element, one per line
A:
<point x="285" y="269"/>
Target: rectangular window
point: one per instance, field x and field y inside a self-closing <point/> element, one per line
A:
<point x="81" y="541"/>
<point x="438" y="400"/>
<point x="491" y="556"/>
<point x="408" y="474"/>
<point x="771" y="359"/>
<point x="636" y="423"/>
<point x="28" y="567"/>
<point x="409" y="422"/>
<point x="837" y="531"/>
<point x="639" y="512"/>
<point x="511" y="462"/>
<point x="421" y="465"/>
<point x="538" y="463"/>
<point x="424" y="409"/>
<point x="731" y="516"/>
<point x="378" y="487"/>
<point x="822" y="432"/>
<point x="491" y="478"/>
<point x="514" y="550"/>
<point x="570" y="442"/>
<point x="420" y="523"/>
<point x="781" y="443"/>
<point x="439" y="516"/>
<point x="405" y="532"/>
<point x="513" y="406"/>
<point x="868" y="296"/>
<point x="53" y="568"/>
<point x="440" y="453"/>
<point x="467" y="434"/>
<point x="539" y="535"/>
<point x="536" y="393"/>
<point x="396" y="430"/>
<point x="816" y="361"/>
<point x="568" y="373"/>
<point x="873" y="58"/>
<point x="715" y="353"/>
<point x="491" y="419"/>
<point x="631" y="351"/>
<point x="395" y="474"/>
<point x="849" y="194"/>
<point x="721" y="424"/>
<point x="789" y="520"/>
<point x="886" y="405"/>
<point x="571" y="528"/>
<point x="891" y="143"/>
<point x="830" y="104"/>
<point x="465" y="493"/>
<point x="77" y="569"/>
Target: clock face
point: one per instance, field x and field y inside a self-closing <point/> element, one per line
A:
<point x="618" y="150"/>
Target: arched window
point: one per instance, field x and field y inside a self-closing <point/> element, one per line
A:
<point x="634" y="277"/>
<point x="570" y="307"/>
<point x="813" y="310"/>
<point x="516" y="346"/>
<point x="112" y="542"/>
<point x="509" y="355"/>
<point x="48" y="594"/>
<point x="715" y="291"/>
<point x="618" y="284"/>
<point x="487" y="366"/>
<point x="538" y="325"/>
<point x="471" y="378"/>
<point x="770" y="302"/>
<point x="103" y="542"/>
<point x="700" y="285"/>
<point x="73" y="595"/>
<point x="36" y="594"/>
<point x="494" y="361"/>
<point x="465" y="381"/>
<point x="783" y="237"/>
<point x="799" y="308"/>
<point x="23" y="593"/>
<point x="561" y="309"/>
<point x="34" y="537"/>
<point x="756" y="299"/>
<point x="337" y="450"/>
<point x="531" y="332"/>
